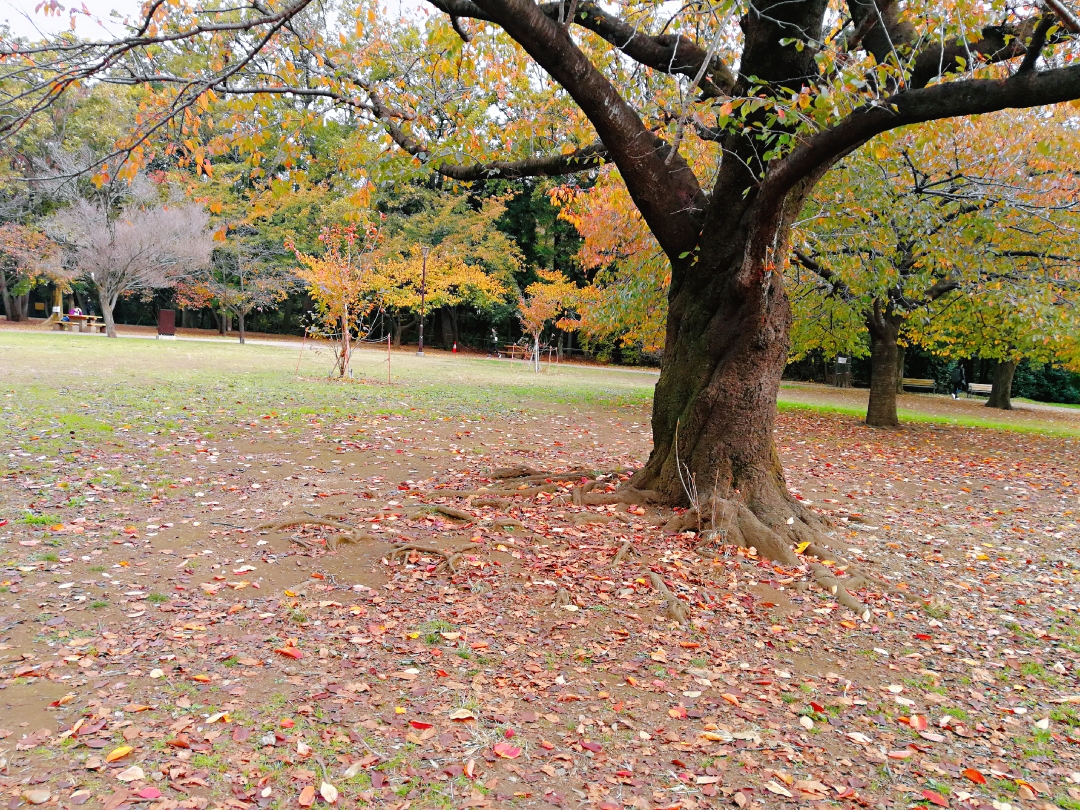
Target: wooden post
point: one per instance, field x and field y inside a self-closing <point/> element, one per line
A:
<point x="297" y="372"/>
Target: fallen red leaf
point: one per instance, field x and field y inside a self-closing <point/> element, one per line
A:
<point x="973" y="775"/>
<point x="935" y="798"/>
<point x="291" y="652"/>
<point x="506" y="750"/>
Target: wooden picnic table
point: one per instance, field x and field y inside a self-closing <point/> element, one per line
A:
<point x="79" y="323"/>
<point x="513" y="349"/>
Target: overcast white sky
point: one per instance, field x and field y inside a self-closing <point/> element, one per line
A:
<point x="24" y="22"/>
<point x="20" y="15"/>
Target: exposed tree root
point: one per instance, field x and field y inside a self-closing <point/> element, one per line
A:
<point x="517" y="471"/>
<point x="497" y="503"/>
<point x="507" y="523"/>
<point x="625" y="550"/>
<point x="841" y="589"/>
<point x="676" y="608"/>
<point x="583" y="496"/>
<point x="449" y="557"/>
<point x="771" y="530"/>
<point x="352" y="535"/>
<point x="629" y="495"/>
<point x="451" y="512"/>
<point x="573" y="475"/>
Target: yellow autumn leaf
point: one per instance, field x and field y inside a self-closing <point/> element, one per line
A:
<point x="118" y="753"/>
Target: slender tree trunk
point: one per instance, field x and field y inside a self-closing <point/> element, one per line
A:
<point x="346" y="344"/>
<point x="901" y="351"/>
<point x="445" y="328"/>
<point x="1001" y="393"/>
<point x="884" y="326"/>
<point x="395" y="328"/>
<point x="240" y="324"/>
<point x="454" y="324"/>
<point x="287" y="315"/>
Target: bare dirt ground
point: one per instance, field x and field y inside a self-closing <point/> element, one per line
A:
<point x="161" y="645"/>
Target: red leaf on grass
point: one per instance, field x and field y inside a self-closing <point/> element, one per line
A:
<point x="935" y="798"/>
<point x="974" y="776"/>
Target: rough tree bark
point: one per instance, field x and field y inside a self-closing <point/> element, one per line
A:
<point x="901" y="351"/>
<point x="108" y="303"/>
<point x="1001" y="393"/>
<point x="884" y="324"/>
<point x="15" y="306"/>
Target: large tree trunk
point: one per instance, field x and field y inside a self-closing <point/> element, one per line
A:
<point x="107" y="313"/>
<point x="1000" y="395"/>
<point x="15" y="306"/>
<point x="901" y="351"/>
<point x="22" y="306"/>
<point x="884" y="326"/>
<point x="714" y="408"/>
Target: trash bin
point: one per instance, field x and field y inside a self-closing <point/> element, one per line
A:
<point x="166" y="324"/>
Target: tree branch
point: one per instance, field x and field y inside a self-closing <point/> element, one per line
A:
<point x="951" y="99"/>
<point x="668" y="196"/>
<point x="667" y="53"/>
<point x="588" y="157"/>
<point x="826" y="274"/>
<point x="1038" y="42"/>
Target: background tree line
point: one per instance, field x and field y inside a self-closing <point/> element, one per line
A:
<point x="923" y="240"/>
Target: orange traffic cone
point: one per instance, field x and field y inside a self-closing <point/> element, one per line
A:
<point x="455" y="347"/>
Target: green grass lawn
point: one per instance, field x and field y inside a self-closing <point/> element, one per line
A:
<point x="89" y="383"/>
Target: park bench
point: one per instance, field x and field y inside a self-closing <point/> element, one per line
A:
<point x="980" y="389"/>
<point x="911" y="382"/>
